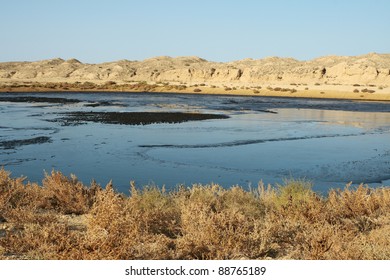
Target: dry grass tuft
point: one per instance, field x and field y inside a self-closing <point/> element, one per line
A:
<point x="64" y="219"/>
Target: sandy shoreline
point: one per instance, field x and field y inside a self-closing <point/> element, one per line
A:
<point x="306" y="91"/>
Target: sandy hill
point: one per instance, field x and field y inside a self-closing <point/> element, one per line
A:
<point x="371" y="68"/>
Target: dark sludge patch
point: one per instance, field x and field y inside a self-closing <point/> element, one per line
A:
<point x="104" y="103"/>
<point x="37" y="99"/>
<point x="135" y="118"/>
<point x="12" y="144"/>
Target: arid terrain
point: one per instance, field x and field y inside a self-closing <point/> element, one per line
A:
<point x="63" y="218"/>
<point x="348" y="77"/>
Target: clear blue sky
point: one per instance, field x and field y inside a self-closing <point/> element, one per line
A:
<point x="219" y="30"/>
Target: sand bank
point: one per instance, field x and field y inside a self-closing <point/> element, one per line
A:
<point x="352" y="92"/>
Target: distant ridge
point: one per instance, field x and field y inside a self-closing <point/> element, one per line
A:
<point x="364" y="69"/>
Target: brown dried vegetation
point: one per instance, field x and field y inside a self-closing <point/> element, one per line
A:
<point x="64" y="219"/>
<point x="142" y="86"/>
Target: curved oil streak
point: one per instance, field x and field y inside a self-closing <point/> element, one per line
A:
<point x="249" y="142"/>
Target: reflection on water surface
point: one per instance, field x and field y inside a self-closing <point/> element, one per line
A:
<point x="329" y="142"/>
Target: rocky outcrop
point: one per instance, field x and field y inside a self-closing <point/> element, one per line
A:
<point x="366" y="69"/>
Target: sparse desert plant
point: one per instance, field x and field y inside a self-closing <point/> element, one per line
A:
<point x="368" y="90"/>
<point x="256" y="91"/>
<point x="88" y="85"/>
<point x="110" y="83"/>
<point x="197" y="90"/>
<point x="356" y="90"/>
<point x="66" y="194"/>
<point x="293" y="192"/>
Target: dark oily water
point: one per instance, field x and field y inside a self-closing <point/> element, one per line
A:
<point x="170" y="139"/>
<point x="135" y="118"/>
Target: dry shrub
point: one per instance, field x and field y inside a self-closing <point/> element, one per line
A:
<point x="368" y="90"/>
<point x="338" y="227"/>
<point x="5" y="180"/>
<point x="293" y="192"/>
<point x="130" y="228"/>
<point x="53" y="240"/>
<point x="293" y="214"/>
<point x="31" y="230"/>
<point x="359" y="210"/>
<point x="222" y="235"/>
<point x="18" y="201"/>
<point x="66" y="195"/>
<point x="159" y="210"/>
<point x="63" y="219"/>
<point x="220" y="224"/>
<point x="107" y="225"/>
<point x="244" y="202"/>
<point x="358" y="202"/>
<point x="315" y="241"/>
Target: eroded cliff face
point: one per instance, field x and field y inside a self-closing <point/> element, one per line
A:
<point x="366" y="69"/>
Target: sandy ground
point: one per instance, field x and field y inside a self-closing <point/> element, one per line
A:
<point x="318" y="92"/>
<point x="322" y="91"/>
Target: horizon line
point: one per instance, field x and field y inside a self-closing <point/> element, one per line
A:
<point x="194" y="57"/>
